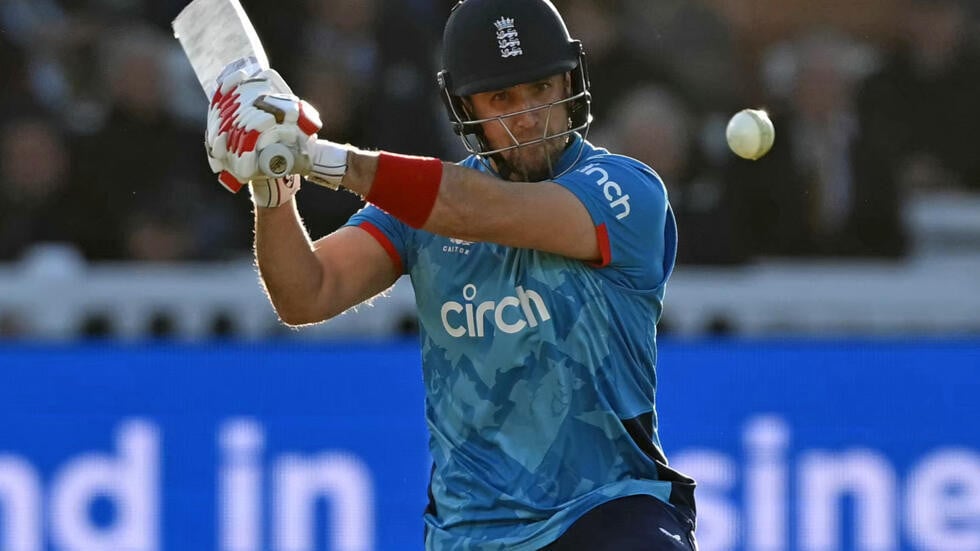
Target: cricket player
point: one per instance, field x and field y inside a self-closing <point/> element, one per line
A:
<point x="539" y="265"/>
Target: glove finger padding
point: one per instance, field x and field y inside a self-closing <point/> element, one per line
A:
<point x="233" y="100"/>
<point x="291" y="110"/>
<point x="258" y="127"/>
<point x="276" y="135"/>
<point x="275" y="81"/>
<point x="249" y="113"/>
<point x="228" y="84"/>
<point x="309" y="118"/>
<point x="243" y="138"/>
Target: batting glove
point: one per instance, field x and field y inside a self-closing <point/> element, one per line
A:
<point x="238" y="131"/>
<point x="321" y="161"/>
<point x="274" y="192"/>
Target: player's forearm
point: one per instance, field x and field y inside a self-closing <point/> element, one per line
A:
<point x="472" y="205"/>
<point x="361" y="169"/>
<point x="290" y="271"/>
<point x="468" y="204"/>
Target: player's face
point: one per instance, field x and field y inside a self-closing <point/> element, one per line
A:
<point x="535" y="161"/>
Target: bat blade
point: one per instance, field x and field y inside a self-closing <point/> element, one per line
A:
<point x="214" y="34"/>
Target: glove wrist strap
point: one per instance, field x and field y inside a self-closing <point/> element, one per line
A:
<point x="328" y="163"/>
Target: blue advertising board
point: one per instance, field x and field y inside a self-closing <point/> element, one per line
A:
<point x="810" y="446"/>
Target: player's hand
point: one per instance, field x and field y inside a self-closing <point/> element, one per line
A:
<point x="320" y="161"/>
<point x="251" y="113"/>
<point x="238" y="131"/>
<point x="274" y="192"/>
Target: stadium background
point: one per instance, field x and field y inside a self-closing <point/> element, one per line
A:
<point x="821" y="342"/>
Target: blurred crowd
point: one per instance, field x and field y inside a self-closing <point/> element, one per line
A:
<point x="101" y="118"/>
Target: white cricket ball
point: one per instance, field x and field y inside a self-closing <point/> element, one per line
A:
<point x="750" y="133"/>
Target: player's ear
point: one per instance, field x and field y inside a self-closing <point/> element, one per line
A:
<point x="568" y="84"/>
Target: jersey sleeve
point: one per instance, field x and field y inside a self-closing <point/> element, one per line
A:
<point x="389" y="232"/>
<point x="634" y="223"/>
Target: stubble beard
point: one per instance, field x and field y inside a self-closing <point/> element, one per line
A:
<point x="535" y="163"/>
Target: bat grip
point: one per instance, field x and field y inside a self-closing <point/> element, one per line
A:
<point x="276" y="160"/>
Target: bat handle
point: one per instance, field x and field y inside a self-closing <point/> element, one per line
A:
<point x="276" y="160"/>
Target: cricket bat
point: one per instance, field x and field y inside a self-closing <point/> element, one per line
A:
<point x="216" y="34"/>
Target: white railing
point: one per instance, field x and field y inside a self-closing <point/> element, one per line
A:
<point x="53" y="295"/>
<point x="923" y="296"/>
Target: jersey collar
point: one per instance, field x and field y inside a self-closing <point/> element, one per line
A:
<point x="578" y="149"/>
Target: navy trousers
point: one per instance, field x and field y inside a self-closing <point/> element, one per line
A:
<point x="634" y="523"/>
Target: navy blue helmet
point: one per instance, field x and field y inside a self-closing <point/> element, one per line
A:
<point x="495" y="44"/>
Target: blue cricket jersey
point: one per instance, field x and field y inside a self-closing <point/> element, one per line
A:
<point x="539" y="369"/>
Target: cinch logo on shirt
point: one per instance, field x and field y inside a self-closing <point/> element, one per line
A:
<point x="510" y="314"/>
<point x="612" y="190"/>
